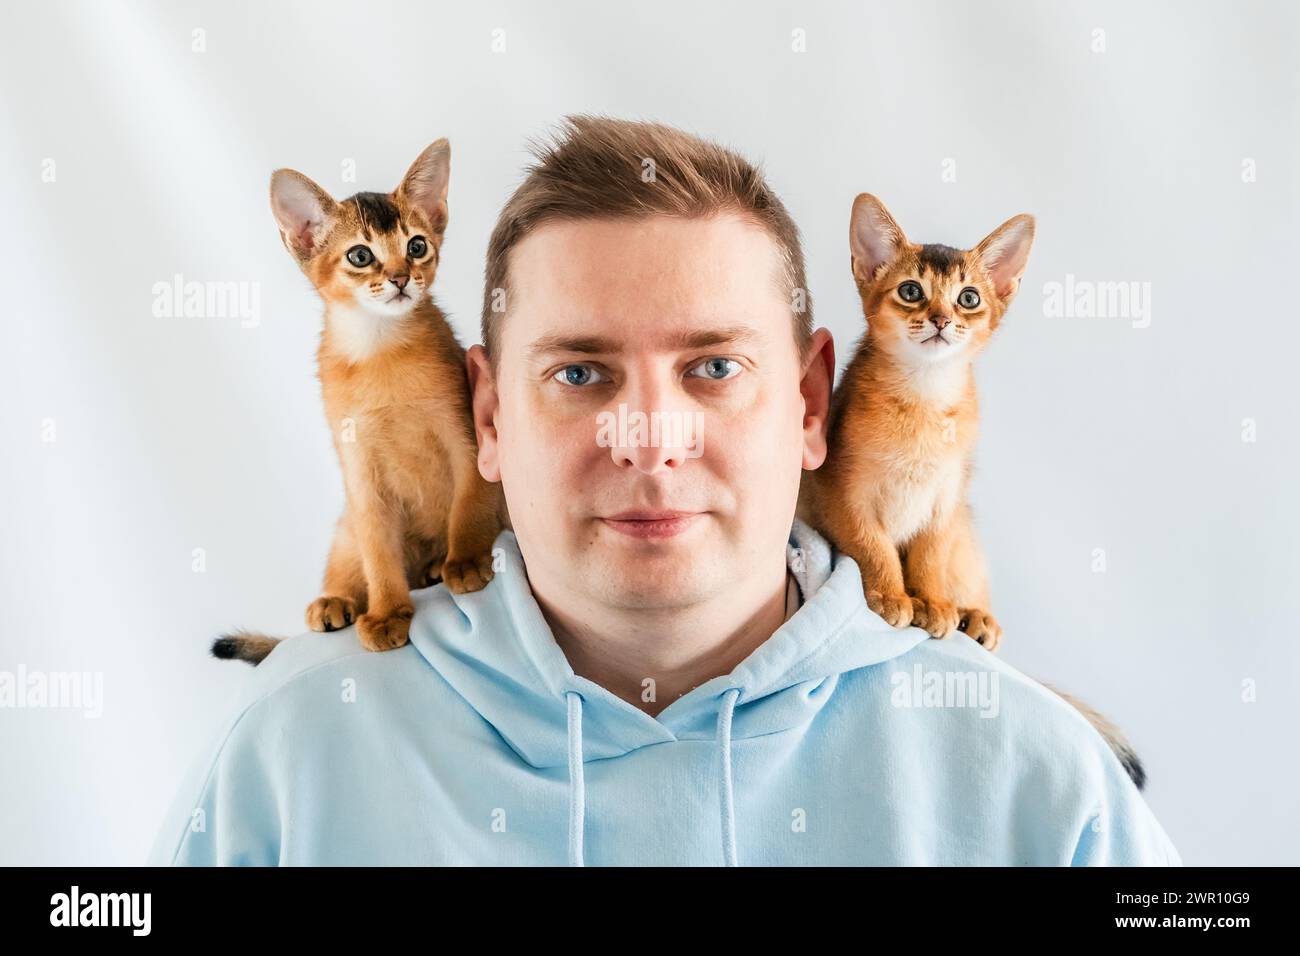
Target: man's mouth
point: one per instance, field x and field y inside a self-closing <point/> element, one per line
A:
<point x="652" y="523"/>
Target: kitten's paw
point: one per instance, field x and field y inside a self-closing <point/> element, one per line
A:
<point x="330" y="612"/>
<point x="982" y="626"/>
<point x="896" y="609"/>
<point x="432" y="574"/>
<point x="938" y="618"/>
<point x="468" y="574"/>
<point x="385" y="632"/>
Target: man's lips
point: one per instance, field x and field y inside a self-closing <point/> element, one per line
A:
<point x="645" y="523"/>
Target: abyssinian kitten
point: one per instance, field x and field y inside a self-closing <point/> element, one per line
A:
<point x="892" y="491"/>
<point x="903" y="421"/>
<point x="397" y="401"/>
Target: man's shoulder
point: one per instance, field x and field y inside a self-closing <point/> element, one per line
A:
<point x="1007" y="742"/>
<point x="311" y="710"/>
<point x="982" y="694"/>
<point x="959" y="655"/>
<point x="311" y="669"/>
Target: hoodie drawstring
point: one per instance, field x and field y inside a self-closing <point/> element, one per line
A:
<point x="577" y="790"/>
<point x="578" y="795"/>
<point x="724" y="789"/>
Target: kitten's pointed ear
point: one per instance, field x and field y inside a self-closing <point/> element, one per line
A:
<point x="425" y="183"/>
<point x="874" y="237"/>
<point x="302" y="210"/>
<point x="1005" y="252"/>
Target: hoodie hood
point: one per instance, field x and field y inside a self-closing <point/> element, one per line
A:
<point x="481" y="746"/>
<point x="504" y="661"/>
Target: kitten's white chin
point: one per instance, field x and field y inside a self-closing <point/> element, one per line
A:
<point x="360" y="331"/>
<point x="387" y="308"/>
<point x="933" y="353"/>
<point x="936" y="372"/>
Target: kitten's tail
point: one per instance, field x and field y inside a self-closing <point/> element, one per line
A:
<point x="1113" y="736"/>
<point x="244" y="646"/>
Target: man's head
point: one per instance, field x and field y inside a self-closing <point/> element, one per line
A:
<point x="648" y="352"/>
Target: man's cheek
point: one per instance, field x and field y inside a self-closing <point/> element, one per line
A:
<point x="562" y="423"/>
<point x="757" y="464"/>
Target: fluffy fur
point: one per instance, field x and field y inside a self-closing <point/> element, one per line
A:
<point x="397" y="401"/>
<point x="892" y="491"/>
<point x="903" y="422"/>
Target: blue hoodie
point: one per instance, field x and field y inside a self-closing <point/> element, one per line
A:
<point x="839" y="740"/>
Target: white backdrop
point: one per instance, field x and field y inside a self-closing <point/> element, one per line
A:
<point x="1136" y="474"/>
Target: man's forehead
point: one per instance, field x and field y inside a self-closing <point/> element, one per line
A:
<point x="682" y="282"/>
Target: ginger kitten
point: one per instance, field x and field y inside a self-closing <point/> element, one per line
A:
<point x="397" y="401"/>
<point x="892" y="492"/>
<point x="903" y="421"/>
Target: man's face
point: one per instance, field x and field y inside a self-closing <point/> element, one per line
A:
<point x="646" y="417"/>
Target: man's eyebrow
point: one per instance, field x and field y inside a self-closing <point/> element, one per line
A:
<point x="596" y="345"/>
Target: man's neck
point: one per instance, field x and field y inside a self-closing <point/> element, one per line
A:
<point x="677" y="648"/>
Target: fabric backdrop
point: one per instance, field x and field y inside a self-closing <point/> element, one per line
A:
<point x="167" y="475"/>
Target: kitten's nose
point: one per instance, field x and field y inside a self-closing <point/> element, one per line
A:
<point x="941" y="322"/>
<point x="400" y="281"/>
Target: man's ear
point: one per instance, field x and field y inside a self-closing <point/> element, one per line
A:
<point x="302" y="210"/>
<point x="816" y="385"/>
<point x="425" y="183"/>
<point x="874" y="237"/>
<point x="1005" y="252"/>
<point x="485" y="401"/>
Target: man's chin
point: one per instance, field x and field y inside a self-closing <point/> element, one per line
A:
<point x="635" y="589"/>
<point x="652" y="573"/>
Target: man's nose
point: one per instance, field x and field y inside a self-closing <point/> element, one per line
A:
<point x="648" y="459"/>
<point x="651" y="435"/>
<point x="400" y="280"/>
<point x="941" y="322"/>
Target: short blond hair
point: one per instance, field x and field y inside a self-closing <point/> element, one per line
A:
<point x="594" y="167"/>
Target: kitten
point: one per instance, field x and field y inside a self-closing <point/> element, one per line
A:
<point x="397" y="401"/>
<point x="892" y="492"/>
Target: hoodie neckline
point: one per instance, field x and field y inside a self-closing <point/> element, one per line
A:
<point x="504" y="660"/>
<point x="496" y="649"/>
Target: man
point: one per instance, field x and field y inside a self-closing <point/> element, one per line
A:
<point x="668" y="668"/>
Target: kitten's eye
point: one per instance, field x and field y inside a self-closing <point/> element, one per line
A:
<point x="968" y="299"/>
<point x="911" y="292"/>
<point x="577" y="375"/>
<point x="360" y="256"/>
<point x="717" y="369"/>
<point x="416" y="248"/>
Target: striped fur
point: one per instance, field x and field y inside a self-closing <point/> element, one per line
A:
<point x="1110" y="733"/>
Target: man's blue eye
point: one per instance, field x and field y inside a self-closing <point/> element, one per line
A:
<point x="577" y="375"/>
<point x="717" y="368"/>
